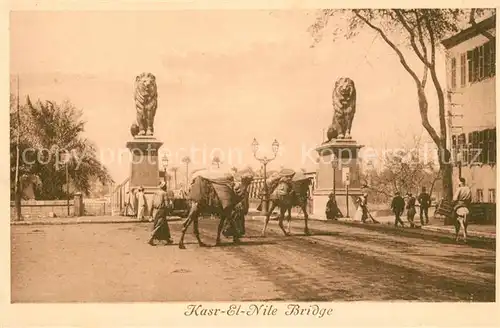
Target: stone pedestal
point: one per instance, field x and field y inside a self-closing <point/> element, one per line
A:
<point x="346" y="166"/>
<point x="144" y="166"/>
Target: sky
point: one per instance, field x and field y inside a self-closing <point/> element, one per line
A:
<point x="224" y="78"/>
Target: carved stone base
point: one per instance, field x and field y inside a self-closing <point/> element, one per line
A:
<point x="144" y="166"/>
<point x="345" y="151"/>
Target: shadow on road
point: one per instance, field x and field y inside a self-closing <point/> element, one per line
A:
<point x="440" y="237"/>
<point x="246" y="243"/>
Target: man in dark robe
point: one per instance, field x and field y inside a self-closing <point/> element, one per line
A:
<point x="332" y="211"/>
<point x="162" y="207"/>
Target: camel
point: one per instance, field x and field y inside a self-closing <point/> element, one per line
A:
<point x="218" y="196"/>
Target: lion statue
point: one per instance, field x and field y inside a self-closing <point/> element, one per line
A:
<point x="146" y="102"/>
<point x="344" y="108"/>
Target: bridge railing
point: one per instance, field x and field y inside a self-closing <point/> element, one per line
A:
<point x="118" y="197"/>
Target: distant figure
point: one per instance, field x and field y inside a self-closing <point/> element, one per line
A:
<point x="461" y="209"/>
<point x="398" y="206"/>
<point x="410" y="209"/>
<point x="332" y="211"/>
<point x="363" y="204"/>
<point x="130" y="203"/>
<point x="141" y="203"/>
<point x="161" y="206"/>
<point x="424" y="199"/>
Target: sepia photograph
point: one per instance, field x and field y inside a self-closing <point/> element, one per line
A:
<point x="306" y="156"/>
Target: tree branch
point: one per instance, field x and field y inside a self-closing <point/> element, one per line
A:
<point x="424" y="47"/>
<point x="403" y="21"/>
<point x="392" y="45"/>
<point x="437" y="84"/>
<point x="472" y="22"/>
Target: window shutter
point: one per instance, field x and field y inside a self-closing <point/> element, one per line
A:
<point x="475" y="61"/>
<point x="470" y="67"/>
<point x="484" y="146"/>
<point x="493" y="57"/>
<point x="487" y="59"/>
<point x="493" y="146"/>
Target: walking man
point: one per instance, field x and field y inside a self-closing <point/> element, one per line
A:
<point x="398" y="206"/>
<point x="162" y="206"/>
<point x="424" y="199"/>
<point x="410" y="209"/>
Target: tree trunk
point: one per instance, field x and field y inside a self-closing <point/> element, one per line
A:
<point x="446" y="172"/>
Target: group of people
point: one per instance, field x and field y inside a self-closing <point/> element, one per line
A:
<point x="399" y="205"/>
<point x="462" y="198"/>
<point x="136" y="204"/>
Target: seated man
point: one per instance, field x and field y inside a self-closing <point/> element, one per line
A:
<point x="332" y="211"/>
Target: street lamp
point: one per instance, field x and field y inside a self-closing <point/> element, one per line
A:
<point x="264" y="161"/>
<point x="164" y="161"/>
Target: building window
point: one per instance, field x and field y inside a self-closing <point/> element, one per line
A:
<point x="453" y="73"/>
<point x="481" y="62"/>
<point x="479" y="195"/>
<point x="463" y="70"/>
<point x="492" y="196"/>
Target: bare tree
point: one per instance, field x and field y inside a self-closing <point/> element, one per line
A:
<point x="403" y="170"/>
<point x="217" y="161"/>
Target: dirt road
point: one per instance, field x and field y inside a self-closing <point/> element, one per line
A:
<point x="113" y="263"/>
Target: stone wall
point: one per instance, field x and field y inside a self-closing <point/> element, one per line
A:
<point x="44" y="208"/>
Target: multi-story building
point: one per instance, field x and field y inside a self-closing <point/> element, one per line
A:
<point x="471" y="90"/>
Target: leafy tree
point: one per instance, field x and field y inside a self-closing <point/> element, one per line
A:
<point x="422" y="31"/>
<point x="48" y="130"/>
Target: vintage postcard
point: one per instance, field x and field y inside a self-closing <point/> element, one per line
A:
<point x="195" y="163"/>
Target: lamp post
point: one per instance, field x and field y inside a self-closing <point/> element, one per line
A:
<point x="66" y="158"/>
<point x="164" y="161"/>
<point x="187" y="160"/>
<point x="334" y="169"/>
<point x="264" y="161"/>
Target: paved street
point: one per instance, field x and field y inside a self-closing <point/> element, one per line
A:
<point x="113" y="263"/>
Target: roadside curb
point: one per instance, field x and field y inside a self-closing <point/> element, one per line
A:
<point x="484" y="235"/>
<point x="83" y="221"/>
<point x="413" y="231"/>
